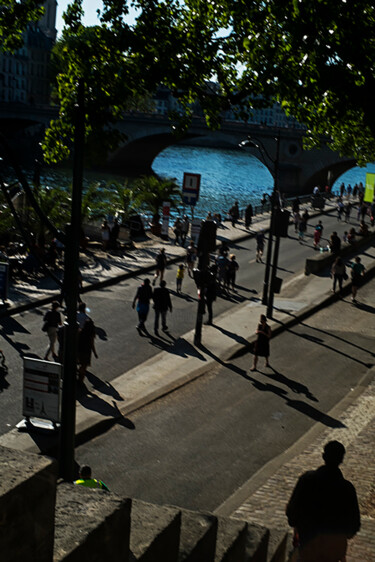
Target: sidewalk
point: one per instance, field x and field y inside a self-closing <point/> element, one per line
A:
<point x="264" y="499"/>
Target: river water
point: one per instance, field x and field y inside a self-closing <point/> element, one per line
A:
<point x="226" y="176"/>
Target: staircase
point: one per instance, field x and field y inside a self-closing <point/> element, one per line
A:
<point x="45" y="521"/>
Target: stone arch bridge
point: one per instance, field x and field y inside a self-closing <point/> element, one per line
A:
<point x="149" y="134"/>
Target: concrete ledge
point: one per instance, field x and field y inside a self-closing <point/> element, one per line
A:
<point x="90" y="524"/>
<point x="231" y="540"/>
<point x="322" y="260"/>
<point x="198" y="537"/>
<point x="27" y="504"/>
<point x="155" y="533"/>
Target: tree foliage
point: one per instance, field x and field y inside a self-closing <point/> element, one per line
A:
<point x="14" y="17"/>
<point x="316" y="58"/>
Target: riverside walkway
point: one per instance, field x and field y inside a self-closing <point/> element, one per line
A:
<point x="264" y="498"/>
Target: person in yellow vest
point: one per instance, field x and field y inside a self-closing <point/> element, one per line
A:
<point x="85" y="479"/>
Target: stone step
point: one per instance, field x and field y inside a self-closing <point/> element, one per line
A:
<point x="231" y="540"/>
<point x="27" y="491"/>
<point x="90" y="525"/>
<point x="257" y="538"/>
<point x="278" y="543"/>
<point x="155" y="533"/>
<point x="198" y="537"/>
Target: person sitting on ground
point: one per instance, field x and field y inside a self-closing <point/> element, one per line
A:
<point x="351" y="236"/>
<point x="85" y="479"/>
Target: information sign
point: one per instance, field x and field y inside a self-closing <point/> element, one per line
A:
<point x="190" y="188"/>
<point x="41" y="389"/>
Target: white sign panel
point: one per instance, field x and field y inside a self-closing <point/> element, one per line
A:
<point x="41" y="389"/>
<point x="190" y="188"/>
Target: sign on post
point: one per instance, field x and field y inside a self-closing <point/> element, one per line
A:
<point x="4" y="280"/>
<point x="41" y="389"/>
<point x="190" y="188"/>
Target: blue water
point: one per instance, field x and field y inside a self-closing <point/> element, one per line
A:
<point x="226" y="176"/>
<point x="229" y="175"/>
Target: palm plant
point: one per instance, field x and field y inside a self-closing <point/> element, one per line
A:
<point x="153" y="192"/>
<point x="125" y="199"/>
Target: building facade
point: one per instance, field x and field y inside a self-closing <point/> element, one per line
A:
<point x="24" y="75"/>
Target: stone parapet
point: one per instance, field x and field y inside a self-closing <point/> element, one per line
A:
<point x="27" y="504"/>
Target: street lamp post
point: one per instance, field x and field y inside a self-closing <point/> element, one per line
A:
<point x="268" y="288"/>
<point x="68" y="406"/>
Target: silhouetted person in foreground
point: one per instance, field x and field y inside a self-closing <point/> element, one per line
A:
<point x="324" y="509"/>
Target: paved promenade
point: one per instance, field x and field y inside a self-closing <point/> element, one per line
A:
<point x="264" y="497"/>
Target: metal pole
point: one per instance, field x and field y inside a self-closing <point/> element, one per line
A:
<point x="269" y="254"/>
<point x="68" y="406"/>
<point x="276" y="205"/>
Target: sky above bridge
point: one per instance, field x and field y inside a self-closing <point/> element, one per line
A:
<point x="90" y="8"/>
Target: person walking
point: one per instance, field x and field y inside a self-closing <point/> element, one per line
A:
<point x="82" y="315"/>
<point x="318" y="232"/>
<point x="232" y="269"/>
<point x="177" y="229"/>
<point x="51" y="322"/>
<point x="262" y="345"/>
<point x="85" y="346"/>
<point x="260" y="245"/>
<point x="334" y="243"/>
<point x="180" y="277"/>
<point x="184" y="229"/>
<point x="323" y="509"/>
<point x="142" y="301"/>
<point x="249" y="213"/>
<point x="302" y="227"/>
<point x="210" y="291"/>
<point x="191" y="256"/>
<point x="234" y="213"/>
<point x="162" y="303"/>
<point x="338" y="273"/>
<point x="86" y="479"/>
<point x="161" y="264"/>
<point x="106" y="232"/>
<point x="357" y="273"/>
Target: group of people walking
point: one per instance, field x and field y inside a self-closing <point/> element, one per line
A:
<point x="55" y="327"/>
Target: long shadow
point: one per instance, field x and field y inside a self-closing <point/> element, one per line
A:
<point x="365" y="307"/>
<point x="306" y="409"/>
<point x="294" y="386"/>
<point x="177" y="346"/>
<point x="105" y="387"/>
<point x="232" y="335"/>
<point x="299" y="405"/>
<point x="92" y="401"/>
<point x="21" y="348"/>
<point x="10" y="326"/>
<point x="330" y="334"/>
<point x="317" y="341"/>
<point x="246" y="289"/>
<point x="101" y="333"/>
<point x="4" y="384"/>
